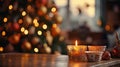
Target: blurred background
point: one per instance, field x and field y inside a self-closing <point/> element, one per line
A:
<point x="48" y="26"/>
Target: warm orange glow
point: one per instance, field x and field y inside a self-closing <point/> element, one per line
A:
<point x="76" y="43"/>
<point x="39" y="32"/>
<point x="26" y="32"/>
<point x="44" y="26"/>
<point x="24" y="13"/>
<point x="20" y="21"/>
<point x="5" y="19"/>
<point x="22" y="29"/>
<point x="54" y="25"/>
<point x="10" y="7"/>
<point x="36" y="50"/>
<point x="107" y="27"/>
<point x="3" y="33"/>
<point x="1" y="49"/>
<point x="35" y="21"/>
<point x="53" y="9"/>
<point x="36" y="24"/>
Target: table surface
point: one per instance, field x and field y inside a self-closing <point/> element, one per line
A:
<point x="47" y="60"/>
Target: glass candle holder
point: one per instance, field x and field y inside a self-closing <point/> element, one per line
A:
<point x="77" y="53"/>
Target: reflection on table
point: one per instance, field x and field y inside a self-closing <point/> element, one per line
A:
<point x="48" y="60"/>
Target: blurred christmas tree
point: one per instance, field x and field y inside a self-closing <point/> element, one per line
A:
<point x="30" y="26"/>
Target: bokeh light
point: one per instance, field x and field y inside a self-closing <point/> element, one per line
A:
<point x="10" y="7"/>
<point x="44" y="26"/>
<point x="36" y="24"/>
<point x="53" y="9"/>
<point x="24" y="13"/>
<point x="35" y="21"/>
<point x="39" y="32"/>
<point x="26" y="32"/>
<point x="1" y="49"/>
<point x="5" y="19"/>
<point x="22" y="29"/>
<point x="3" y="33"/>
<point x="36" y="50"/>
<point x="20" y="21"/>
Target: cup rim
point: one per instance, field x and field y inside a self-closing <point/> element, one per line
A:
<point x="93" y="51"/>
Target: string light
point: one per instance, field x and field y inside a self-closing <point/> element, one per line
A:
<point x="36" y="24"/>
<point x="10" y="7"/>
<point x="44" y="26"/>
<point x="35" y="21"/>
<point x="36" y="50"/>
<point x="3" y="33"/>
<point x="24" y="13"/>
<point x="1" y="49"/>
<point x="53" y="9"/>
<point x="26" y="32"/>
<point x="39" y="32"/>
<point x="22" y="29"/>
<point x="5" y="19"/>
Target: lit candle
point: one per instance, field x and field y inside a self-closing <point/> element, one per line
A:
<point x="77" y="52"/>
<point x="76" y="47"/>
<point x="76" y="44"/>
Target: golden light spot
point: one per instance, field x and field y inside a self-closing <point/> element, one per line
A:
<point x="36" y="24"/>
<point x="20" y="21"/>
<point x="44" y="26"/>
<point x="53" y="9"/>
<point x="24" y="13"/>
<point x="39" y="32"/>
<point x="107" y="27"/>
<point x="36" y="50"/>
<point x="54" y="25"/>
<point x="3" y="33"/>
<point x="35" y="21"/>
<point x="1" y="49"/>
<point x="22" y="29"/>
<point x="10" y="7"/>
<point x="26" y="32"/>
<point x="5" y="19"/>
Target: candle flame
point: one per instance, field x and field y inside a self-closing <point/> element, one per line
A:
<point x="76" y="43"/>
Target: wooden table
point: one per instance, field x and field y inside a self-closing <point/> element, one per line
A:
<point x="48" y="60"/>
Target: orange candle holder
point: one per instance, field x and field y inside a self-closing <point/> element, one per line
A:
<point x="77" y="53"/>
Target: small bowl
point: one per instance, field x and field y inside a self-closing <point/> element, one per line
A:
<point x="93" y="56"/>
<point x="96" y="48"/>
